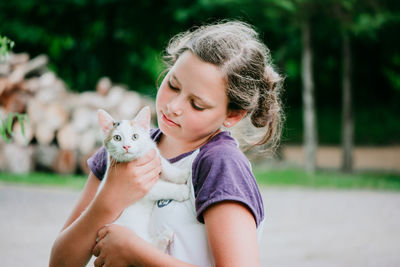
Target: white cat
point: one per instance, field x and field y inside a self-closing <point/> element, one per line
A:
<point x="127" y="140"/>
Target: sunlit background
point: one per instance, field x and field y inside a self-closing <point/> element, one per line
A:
<point x="124" y="40"/>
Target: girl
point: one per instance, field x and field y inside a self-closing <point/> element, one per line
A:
<point x="217" y="75"/>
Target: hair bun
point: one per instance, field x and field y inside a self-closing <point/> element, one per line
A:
<point x="272" y="78"/>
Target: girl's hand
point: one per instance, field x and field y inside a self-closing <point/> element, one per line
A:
<point x="117" y="246"/>
<point x="128" y="182"/>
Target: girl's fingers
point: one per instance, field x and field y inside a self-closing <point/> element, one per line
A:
<point x="99" y="262"/>
<point x="131" y="181"/>
<point x="150" y="178"/>
<point x="96" y="250"/>
<point x="146" y="158"/>
<point x="140" y="169"/>
<point x="102" y="233"/>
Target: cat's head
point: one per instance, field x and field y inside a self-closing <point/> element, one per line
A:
<point x="126" y="140"/>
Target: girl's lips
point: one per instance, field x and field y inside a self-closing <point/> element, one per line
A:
<point x="168" y="121"/>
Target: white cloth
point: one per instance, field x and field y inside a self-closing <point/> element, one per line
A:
<point x="190" y="243"/>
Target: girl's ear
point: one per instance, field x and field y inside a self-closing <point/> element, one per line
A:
<point x="106" y="122"/>
<point x="234" y="116"/>
<point x="143" y="118"/>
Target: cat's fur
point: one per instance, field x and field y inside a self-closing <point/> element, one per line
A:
<point x="128" y="140"/>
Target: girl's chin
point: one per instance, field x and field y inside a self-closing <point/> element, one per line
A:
<point x="165" y="128"/>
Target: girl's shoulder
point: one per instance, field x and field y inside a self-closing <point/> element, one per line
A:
<point x="97" y="163"/>
<point x="222" y="172"/>
<point x="222" y="148"/>
<point x="221" y="154"/>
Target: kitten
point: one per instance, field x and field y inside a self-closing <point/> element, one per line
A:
<point x="128" y="140"/>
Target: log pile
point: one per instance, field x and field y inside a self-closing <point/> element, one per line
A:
<point x="62" y="130"/>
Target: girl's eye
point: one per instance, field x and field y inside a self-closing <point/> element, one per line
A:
<point x="135" y="137"/>
<point x="196" y="107"/>
<point x="172" y="87"/>
<point x="117" y="137"/>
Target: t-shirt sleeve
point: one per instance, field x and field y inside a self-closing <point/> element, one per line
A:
<point x="98" y="163"/>
<point x="224" y="174"/>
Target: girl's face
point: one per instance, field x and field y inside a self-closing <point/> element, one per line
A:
<point x="191" y="101"/>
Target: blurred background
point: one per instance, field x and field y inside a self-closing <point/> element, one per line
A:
<point x="344" y="54"/>
<point x="62" y="60"/>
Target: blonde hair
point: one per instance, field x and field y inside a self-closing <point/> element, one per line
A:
<point x="252" y="84"/>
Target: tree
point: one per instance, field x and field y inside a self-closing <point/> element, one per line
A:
<point x="309" y="112"/>
<point x="355" y="18"/>
<point x="343" y="11"/>
<point x="347" y="106"/>
<point x="302" y="11"/>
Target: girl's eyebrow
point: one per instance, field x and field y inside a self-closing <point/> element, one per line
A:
<point x="198" y="98"/>
<point x="174" y="78"/>
<point x="203" y="102"/>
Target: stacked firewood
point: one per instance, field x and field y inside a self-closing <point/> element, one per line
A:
<point x="61" y="132"/>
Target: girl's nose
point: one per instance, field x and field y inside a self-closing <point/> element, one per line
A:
<point x="175" y="106"/>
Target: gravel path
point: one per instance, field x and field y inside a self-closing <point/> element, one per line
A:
<point x="305" y="227"/>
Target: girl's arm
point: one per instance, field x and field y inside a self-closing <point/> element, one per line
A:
<point x="232" y="234"/>
<point x="125" y="184"/>
<point x="120" y="247"/>
<point x="231" y="231"/>
<point x="72" y="246"/>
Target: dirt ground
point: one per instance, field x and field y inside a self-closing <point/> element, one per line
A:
<point x="365" y="158"/>
<point x="304" y="227"/>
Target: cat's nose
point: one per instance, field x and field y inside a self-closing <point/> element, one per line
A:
<point x="126" y="147"/>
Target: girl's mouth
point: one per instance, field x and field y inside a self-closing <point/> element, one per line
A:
<point x="167" y="121"/>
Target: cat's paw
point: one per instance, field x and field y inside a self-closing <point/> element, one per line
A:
<point x="182" y="175"/>
<point x="174" y="174"/>
<point x="183" y="193"/>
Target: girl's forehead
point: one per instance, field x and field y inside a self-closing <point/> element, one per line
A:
<point x="201" y="78"/>
<point x="196" y="66"/>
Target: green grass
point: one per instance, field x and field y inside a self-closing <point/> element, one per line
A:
<point x="45" y="179"/>
<point x="329" y="179"/>
<point x="271" y="177"/>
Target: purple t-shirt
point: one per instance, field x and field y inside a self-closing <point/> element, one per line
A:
<point x="220" y="172"/>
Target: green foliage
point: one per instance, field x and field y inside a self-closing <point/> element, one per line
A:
<point x="124" y="40"/>
<point x="392" y="72"/>
<point x="5" y="46"/>
<point x="6" y="131"/>
<point x="378" y="126"/>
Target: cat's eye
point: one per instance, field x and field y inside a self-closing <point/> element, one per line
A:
<point x="117" y="137"/>
<point x="135" y="136"/>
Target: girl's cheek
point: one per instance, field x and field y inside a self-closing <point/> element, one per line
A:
<point x="161" y="96"/>
<point x="197" y="124"/>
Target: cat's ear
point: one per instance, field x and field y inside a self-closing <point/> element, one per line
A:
<point x="106" y="122"/>
<point x="143" y="118"/>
